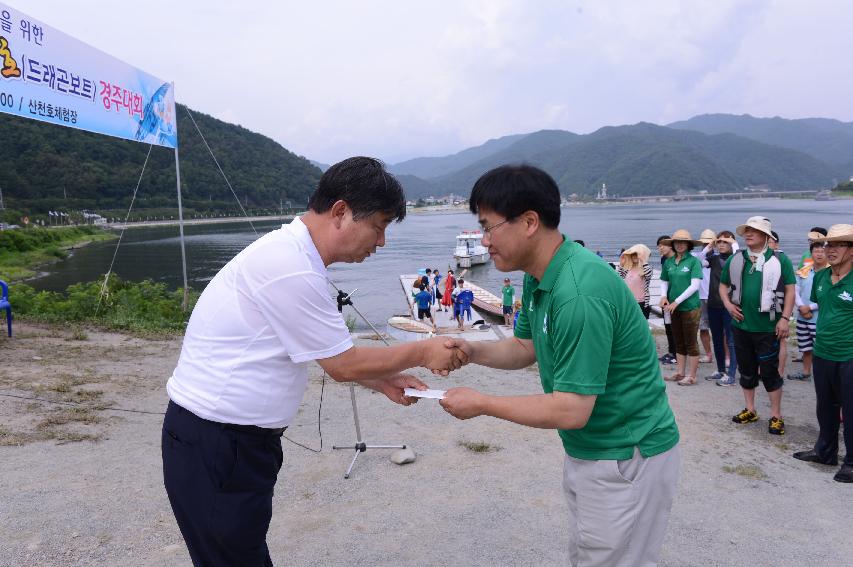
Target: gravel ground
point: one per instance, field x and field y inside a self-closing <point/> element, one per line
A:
<point x="84" y="486"/>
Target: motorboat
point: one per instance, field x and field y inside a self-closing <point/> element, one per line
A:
<point x="470" y="250"/>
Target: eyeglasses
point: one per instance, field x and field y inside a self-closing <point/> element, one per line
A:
<point x="489" y="229"/>
<point x="837" y="245"/>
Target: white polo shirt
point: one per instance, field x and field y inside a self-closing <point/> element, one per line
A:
<point x="256" y="326"/>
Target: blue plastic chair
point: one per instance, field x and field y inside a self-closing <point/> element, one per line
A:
<point x="4" y="304"/>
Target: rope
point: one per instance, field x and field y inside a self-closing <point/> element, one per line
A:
<point x="203" y="139"/>
<point x="123" y="228"/>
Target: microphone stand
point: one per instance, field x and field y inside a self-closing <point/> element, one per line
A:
<point x="360" y="446"/>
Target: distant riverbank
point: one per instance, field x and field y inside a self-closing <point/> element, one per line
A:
<point x="193" y="222"/>
<point x="24" y="250"/>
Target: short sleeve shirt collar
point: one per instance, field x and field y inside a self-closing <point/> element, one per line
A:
<point x="300" y="233"/>
<point x="566" y="250"/>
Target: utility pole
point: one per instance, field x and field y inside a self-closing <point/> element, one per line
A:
<point x="2" y="206"/>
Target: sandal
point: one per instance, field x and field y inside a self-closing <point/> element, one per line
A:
<point x="687" y="381"/>
<point x="674" y="377"/>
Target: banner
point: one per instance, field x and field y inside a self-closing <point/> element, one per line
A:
<point x="50" y="76"/>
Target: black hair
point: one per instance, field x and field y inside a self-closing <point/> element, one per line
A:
<point x="664" y="237"/>
<point x="775" y="235"/>
<point x="429" y="270"/>
<point x="459" y="281"/>
<point x="819" y="229"/>
<point x="422" y="287"/>
<point x="581" y="242"/>
<point x="726" y="233"/>
<point x="814" y="245"/>
<point x="511" y="190"/>
<point x="364" y="185"/>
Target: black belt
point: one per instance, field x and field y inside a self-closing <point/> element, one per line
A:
<point x="250" y="429"/>
<point x="253" y="429"/>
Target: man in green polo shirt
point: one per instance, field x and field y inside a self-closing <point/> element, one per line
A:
<point x="752" y="284"/>
<point x="603" y="391"/>
<point x="508" y="293"/>
<point x="832" y="290"/>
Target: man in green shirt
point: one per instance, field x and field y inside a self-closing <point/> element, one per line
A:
<point x="751" y="284"/>
<point x="508" y="293"/>
<point x="603" y="390"/>
<point x="832" y="290"/>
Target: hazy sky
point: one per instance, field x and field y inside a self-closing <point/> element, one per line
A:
<point x="397" y="79"/>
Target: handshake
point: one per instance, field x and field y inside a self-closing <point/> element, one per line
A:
<point x="443" y="355"/>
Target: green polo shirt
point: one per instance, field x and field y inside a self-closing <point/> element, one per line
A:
<point x="754" y="321"/>
<point x="508" y="293"/>
<point x="591" y="339"/>
<point x="679" y="274"/>
<point x="834" y="338"/>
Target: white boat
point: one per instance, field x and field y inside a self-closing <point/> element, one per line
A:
<point x="470" y="250"/>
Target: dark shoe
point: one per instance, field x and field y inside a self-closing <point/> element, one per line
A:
<point x="776" y="426"/>
<point x="844" y="474"/>
<point x="745" y="416"/>
<point x="799" y="376"/>
<point x="812" y="457"/>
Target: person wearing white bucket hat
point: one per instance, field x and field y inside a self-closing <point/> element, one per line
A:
<point x="679" y="289"/>
<point x="757" y="289"/>
<point x="832" y="290"/>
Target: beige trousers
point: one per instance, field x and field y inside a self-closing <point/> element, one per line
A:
<point x="618" y="510"/>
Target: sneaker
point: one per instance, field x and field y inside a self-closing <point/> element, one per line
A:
<point x="745" y="416"/>
<point x="715" y="376"/>
<point x="727" y="381"/>
<point x="799" y="376"/>
<point x="776" y="426"/>
<point x="669" y="359"/>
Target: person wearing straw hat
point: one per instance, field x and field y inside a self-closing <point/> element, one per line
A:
<point x="832" y="290"/>
<point x="719" y="319"/>
<point x="757" y="288"/>
<point x="635" y="270"/>
<point x="680" y="280"/>
<point x="708" y="237"/>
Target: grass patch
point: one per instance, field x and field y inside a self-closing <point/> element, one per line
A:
<point x="479" y="446"/>
<point x="749" y="471"/>
<point x="79" y="334"/>
<point x="69" y="415"/>
<point x="146" y="308"/>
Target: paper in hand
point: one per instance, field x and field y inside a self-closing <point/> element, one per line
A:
<point x="414" y="393"/>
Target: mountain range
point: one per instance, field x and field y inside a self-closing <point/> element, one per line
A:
<point x="715" y="153"/>
<point x="59" y="168"/>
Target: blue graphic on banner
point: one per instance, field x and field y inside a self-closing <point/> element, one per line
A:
<point x="50" y="76"/>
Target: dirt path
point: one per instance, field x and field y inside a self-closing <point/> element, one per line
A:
<point x="82" y="485"/>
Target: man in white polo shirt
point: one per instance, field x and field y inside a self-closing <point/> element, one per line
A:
<point x="243" y="366"/>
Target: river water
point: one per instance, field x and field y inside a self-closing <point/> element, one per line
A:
<point x="427" y="240"/>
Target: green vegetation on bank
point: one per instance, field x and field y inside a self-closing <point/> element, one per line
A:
<point x="21" y="250"/>
<point x="846" y="187"/>
<point x="144" y="307"/>
<point x="48" y="167"/>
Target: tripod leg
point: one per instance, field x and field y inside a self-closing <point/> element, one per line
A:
<point x="352" y="464"/>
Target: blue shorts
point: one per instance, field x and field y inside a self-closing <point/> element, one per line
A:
<point x="507" y="309"/>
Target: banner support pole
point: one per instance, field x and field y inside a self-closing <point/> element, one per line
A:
<point x="185" y="302"/>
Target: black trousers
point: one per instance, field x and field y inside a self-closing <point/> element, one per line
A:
<point x="758" y="359"/>
<point x="833" y="384"/>
<point x="220" y="481"/>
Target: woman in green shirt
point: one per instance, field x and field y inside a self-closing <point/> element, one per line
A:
<point x="680" y="280"/>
